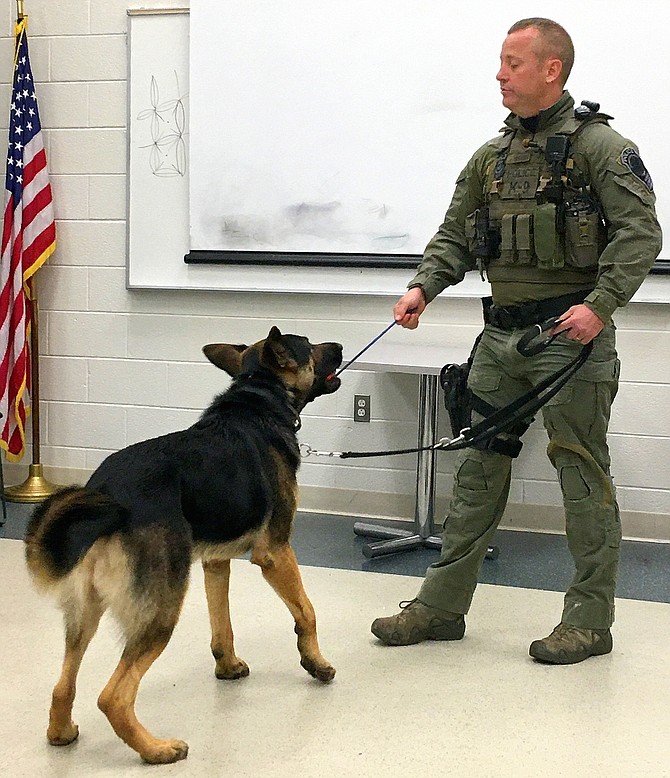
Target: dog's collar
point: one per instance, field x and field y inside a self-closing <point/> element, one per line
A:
<point x="297" y="421"/>
<point x="293" y="398"/>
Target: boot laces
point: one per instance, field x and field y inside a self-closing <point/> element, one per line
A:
<point x="406" y="603"/>
<point x="565" y="633"/>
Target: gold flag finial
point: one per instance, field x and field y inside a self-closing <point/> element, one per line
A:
<point x="19" y="10"/>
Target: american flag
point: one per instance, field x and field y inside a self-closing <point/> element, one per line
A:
<point x="28" y="239"/>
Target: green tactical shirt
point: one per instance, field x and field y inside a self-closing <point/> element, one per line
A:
<point x="633" y="234"/>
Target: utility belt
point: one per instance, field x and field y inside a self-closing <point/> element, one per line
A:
<point x="515" y="317"/>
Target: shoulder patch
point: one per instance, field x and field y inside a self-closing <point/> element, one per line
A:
<point x="630" y="159"/>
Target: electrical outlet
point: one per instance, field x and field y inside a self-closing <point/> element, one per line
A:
<point x="361" y="407"/>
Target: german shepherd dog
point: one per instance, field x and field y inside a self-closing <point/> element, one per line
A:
<point x="126" y="540"/>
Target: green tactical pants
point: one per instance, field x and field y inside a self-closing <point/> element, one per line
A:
<point x="576" y="421"/>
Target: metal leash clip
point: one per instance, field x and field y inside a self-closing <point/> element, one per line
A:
<point x="526" y="345"/>
<point x="306" y="451"/>
<point x="445" y="442"/>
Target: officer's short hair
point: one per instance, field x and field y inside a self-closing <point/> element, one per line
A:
<point x="555" y="41"/>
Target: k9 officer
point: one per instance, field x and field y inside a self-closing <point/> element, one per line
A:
<point x="558" y="211"/>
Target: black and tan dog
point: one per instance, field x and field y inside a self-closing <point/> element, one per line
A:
<point x="214" y="491"/>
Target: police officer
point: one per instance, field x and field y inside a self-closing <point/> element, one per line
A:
<point x="559" y="213"/>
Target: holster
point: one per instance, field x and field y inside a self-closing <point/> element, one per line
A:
<point x="457" y="396"/>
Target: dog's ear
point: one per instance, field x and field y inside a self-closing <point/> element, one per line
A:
<point x="225" y="356"/>
<point x="275" y="353"/>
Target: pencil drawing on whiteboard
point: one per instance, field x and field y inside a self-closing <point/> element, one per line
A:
<point x="167" y="128"/>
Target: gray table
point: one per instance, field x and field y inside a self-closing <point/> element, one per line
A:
<point x="427" y="362"/>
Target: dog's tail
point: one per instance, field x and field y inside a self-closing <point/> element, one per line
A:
<point x="64" y="527"/>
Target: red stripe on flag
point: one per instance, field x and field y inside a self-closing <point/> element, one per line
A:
<point x="42" y="243"/>
<point x="37" y="204"/>
<point x="37" y="163"/>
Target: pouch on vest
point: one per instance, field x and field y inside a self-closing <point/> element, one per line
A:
<point x="581" y="238"/>
<point x="523" y="234"/>
<point x="545" y="236"/>
<point x="507" y="241"/>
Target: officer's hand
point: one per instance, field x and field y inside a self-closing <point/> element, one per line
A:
<point x="579" y="323"/>
<point x="409" y="307"/>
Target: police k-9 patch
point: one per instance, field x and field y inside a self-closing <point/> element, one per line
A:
<point x="631" y="159"/>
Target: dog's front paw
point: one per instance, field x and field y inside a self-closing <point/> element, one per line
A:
<point x="165" y="752"/>
<point x="230" y="671"/>
<point x="62" y="736"/>
<point x="320" y="670"/>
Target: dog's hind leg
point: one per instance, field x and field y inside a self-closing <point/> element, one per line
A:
<point x="117" y="700"/>
<point x="82" y="614"/>
<point x="217" y="580"/>
<point x="152" y="576"/>
<point x="280" y="570"/>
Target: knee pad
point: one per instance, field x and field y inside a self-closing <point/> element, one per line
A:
<point x="573" y="484"/>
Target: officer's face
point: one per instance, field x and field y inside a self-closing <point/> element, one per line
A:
<point x="527" y="81"/>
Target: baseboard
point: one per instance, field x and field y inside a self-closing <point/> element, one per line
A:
<point x="60" y="476"/>
<point x="636" y="525"/>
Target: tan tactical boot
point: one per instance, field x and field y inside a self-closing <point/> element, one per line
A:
<point x="567" y="645"/>
<point x="417" y="622"/>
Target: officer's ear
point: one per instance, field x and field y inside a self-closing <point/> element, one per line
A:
<point x="554" y="70"/>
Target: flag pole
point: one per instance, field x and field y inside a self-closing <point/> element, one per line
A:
<point x="35" y="488"/>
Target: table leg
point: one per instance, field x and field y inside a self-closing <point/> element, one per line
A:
<point x="426" y="463"/>
<point x="396" y="540"/>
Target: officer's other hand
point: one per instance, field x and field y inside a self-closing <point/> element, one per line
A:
<point x="409" y="307"/>
<point x="579" y="323"/>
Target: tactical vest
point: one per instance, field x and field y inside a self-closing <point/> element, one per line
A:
<point x="539" y="210"/>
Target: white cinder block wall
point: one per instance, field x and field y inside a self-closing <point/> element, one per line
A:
<point x="118" y="366"/>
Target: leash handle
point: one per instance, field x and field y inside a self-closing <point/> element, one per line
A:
<point x="529" y="346"/>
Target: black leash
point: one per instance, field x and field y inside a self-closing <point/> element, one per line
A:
<point x="370" y="344"/>
<point x="363" y="350"/>
<point x="504" y="418"/>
